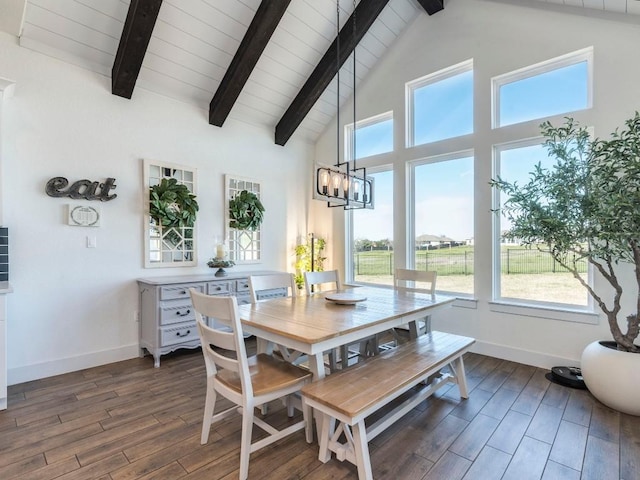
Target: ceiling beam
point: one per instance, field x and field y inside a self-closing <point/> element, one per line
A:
<point x="138" y="27"/>
<point x="255" y="40"/>
<point x="366" y="13"/>
<point x="432" y="6"/>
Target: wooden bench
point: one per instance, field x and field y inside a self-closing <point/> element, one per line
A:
<point x="350" y="396"/>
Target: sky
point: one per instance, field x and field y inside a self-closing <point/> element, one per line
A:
<point x="444" y="190"/>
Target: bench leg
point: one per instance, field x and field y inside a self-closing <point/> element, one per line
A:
<point x="325" y="432"/>
<point x="361" y="451"/>
<point x="461" y="378"/>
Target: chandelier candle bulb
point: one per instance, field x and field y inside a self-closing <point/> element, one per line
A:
<point x="324" y="181"/>
<point x="336" y="185"/>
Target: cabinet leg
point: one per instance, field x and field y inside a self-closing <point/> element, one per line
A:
<point x="156" y="360"/>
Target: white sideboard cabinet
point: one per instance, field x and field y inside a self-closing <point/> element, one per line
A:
<point x="167" y="318"/>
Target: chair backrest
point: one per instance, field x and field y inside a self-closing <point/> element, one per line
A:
<point x="416" y="280"/>
<point x="319" y="278"/>
<point x="225" y="310"/>
<point x="259" y="283"/>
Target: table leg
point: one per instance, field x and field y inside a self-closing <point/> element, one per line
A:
<point x="264" y="346"/>
<point x="316" y="365"/>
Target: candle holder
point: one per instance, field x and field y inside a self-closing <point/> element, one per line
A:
<point x="220" y="264"/>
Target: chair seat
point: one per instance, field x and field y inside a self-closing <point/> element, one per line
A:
<point x="267" y="375"/>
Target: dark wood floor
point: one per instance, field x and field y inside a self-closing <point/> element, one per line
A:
<point x="130" y="421"/>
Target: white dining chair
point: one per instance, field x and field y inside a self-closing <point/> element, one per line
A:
<point x="416" y="281"/>
<point x="268" y="283"/>
<point x="248" y="382"/>
<point x="330" y="280"/>
<point x="272" y="281"/>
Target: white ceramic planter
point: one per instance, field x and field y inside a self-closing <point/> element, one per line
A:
<point x="613" y="377"/>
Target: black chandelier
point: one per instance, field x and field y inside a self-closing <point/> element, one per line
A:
<point x="344" y="184"/>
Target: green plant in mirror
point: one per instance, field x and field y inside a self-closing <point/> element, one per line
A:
<point x="246" y="211"/>
<point x="585" y="208"/>
<point x="312" y="248"/>
<point x="171" y="204"/>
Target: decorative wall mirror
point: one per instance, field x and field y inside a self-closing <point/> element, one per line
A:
<point x="244" y="244"/>
<point x="170" y="236"/>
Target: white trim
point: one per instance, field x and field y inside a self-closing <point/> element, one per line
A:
<point x="366" y="122"/>
<point x="413" y="85"/>
<point x="348" y="222"/>
<point x="464" y="302"/>
<point x="49" y="368"/>
<point x="566" y="60"/>
<point x="550" y="311"/>
<point x="411" y="199"/>
<point x="496" y="275"/>
<point x="526" y="357"/>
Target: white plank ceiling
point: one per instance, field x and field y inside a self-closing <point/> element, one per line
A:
<point x="194" y="41"/>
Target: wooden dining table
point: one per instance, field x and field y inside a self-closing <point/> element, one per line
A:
<point x="313" y="324"/>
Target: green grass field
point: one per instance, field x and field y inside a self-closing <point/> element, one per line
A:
<point x="455" y="273"/>
<point x="459" y="261"/>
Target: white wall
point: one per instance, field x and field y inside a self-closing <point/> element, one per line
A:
<point x="500" y="38"/>
<point x="74" y="307"/>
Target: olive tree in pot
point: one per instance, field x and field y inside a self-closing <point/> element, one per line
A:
<point x="587" y="207"/>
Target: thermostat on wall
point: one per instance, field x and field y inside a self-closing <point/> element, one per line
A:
<point x="84" y="216"/>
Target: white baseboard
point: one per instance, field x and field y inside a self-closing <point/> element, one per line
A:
<point x="70" y="364"/>
<point x="535" y="359"/>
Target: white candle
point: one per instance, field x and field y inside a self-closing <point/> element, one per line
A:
<point x="220" y="251"/>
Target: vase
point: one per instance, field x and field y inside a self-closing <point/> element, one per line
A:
<point x="611" y="376"/>
<point x="221" y="272"/>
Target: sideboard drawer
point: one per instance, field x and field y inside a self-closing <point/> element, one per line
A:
<point x="243" y="299"/>
<point x="242" y="285"/>
<point x="183" y="312"/>
<point x="219" y="288"/>
<point x="179" y="292"/>
<point x="178" y="334"/>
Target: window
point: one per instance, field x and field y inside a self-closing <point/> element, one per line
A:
<point x="442" y="192"/>
<point x="372" y="256"/>
<point x="168" y="245"/>
<point x="440" y="105"/>
<point x="245" y="245"/>
<point x="528" y="275"/>
<point x="554" y="87"/>
<point x="373" y="136"/>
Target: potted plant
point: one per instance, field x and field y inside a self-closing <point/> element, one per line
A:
<point x="586" y="208"/>
<point x="309" y="257"/>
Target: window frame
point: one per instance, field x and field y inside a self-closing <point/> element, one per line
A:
<point x="349" y="224"/>
<point x="410" y="261"/>
<point x="430" y="79"/>
<point x="366" y="122"/>
<point x="566" y="60"/>
<point x="535" y="308"/>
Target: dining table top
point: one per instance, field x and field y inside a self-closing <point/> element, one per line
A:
<point x="315" y="319"/>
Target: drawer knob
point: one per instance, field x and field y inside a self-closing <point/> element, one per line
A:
<point x="183" y="334"/>
<point x="183" y="292"/>
<point x="181" y="314"/>
<point x="219" y="288"/>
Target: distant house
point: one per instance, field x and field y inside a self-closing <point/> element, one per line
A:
<point x="431" y="242"/>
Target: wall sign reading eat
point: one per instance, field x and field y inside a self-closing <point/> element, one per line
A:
<point x="57" y="187"/>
